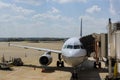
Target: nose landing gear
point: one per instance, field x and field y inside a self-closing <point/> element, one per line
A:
<point x="60" y="63"/>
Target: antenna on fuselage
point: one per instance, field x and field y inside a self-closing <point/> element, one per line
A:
<point x="81" y="28"/>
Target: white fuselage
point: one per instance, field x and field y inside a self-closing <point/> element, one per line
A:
<point x="73" y="52"/>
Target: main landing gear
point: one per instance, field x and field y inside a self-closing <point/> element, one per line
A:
<point x="97" y="64"/>
<point x="60" y="63"/>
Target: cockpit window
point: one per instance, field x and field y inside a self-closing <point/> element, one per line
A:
<point x="77" y="47"/>
<point x="73" y="46"/>
<point x="69" y="46"/>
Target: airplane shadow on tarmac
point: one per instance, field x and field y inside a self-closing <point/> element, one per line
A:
<point x="85" y="70"/>
<point x="51" y="69"/>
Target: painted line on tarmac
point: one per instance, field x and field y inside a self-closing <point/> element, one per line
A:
<point x="13" y="73"/>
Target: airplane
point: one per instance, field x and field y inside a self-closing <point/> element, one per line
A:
<point x="73" y="53"/>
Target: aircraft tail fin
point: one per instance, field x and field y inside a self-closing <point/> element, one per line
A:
<point x="81" y="28"/>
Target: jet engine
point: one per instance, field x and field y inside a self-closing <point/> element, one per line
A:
<point x="45" y="59"/>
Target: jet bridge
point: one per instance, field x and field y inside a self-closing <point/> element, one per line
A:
<point x="88" y="43"/>
<point x="96" y="44"/>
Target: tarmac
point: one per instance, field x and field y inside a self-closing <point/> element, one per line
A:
<point x="32" y="69"/>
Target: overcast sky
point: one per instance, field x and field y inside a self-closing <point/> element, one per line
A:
<point x="56" y="18"/>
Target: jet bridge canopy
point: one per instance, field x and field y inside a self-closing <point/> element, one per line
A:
<point x="88" y="43"/>
<point x="95" y="43"/>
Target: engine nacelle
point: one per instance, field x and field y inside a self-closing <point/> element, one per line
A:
<point x="45" y="59"/>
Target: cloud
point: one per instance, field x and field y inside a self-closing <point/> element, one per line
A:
<point x="3" y="5"/>
<point x="46" y="24"/>
<point x="52" y="18"/>
<point x="31" y="2"/>
<point x="115" y="7"/>
<point x="52" y="15"/>
<point x="40" y="2"/>
<point x="17" y="21"/>
<point x="54" y="10"/>
<point x="7" y="18"/>
<point x="13" y="19"/>
<point x="15" y="9"/>
<point x="21" y="10"/>
<point x="68" y="1"/>
<point x="93" y="25"/>
<point x="66" y="25"/>
<point x="93" y="9"/>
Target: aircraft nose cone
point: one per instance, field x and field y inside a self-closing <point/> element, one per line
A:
<point x="74" y="53"/>
<point x="71" y="53"/>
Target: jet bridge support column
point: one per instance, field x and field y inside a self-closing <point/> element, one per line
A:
<point x="114" y="50"/>
<point x="97" y="63"/>
<point x="117" y="49"/>
<point x="109" y="49"/>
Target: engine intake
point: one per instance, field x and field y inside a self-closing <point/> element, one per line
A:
<point x="45" y="59"/>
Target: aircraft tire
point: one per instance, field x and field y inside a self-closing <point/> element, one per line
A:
<point x="99" y="64"/>
<point x="94" y="65"/>
<point x="58" y="64"/>
<point x="62" y="64"/>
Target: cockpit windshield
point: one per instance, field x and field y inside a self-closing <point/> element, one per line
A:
<point x="77" y="46"/>
<point x="69" y="46"/>
<point x="73" y="47"/>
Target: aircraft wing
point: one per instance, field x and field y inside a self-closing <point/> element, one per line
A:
<point x="35" y="48"/>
